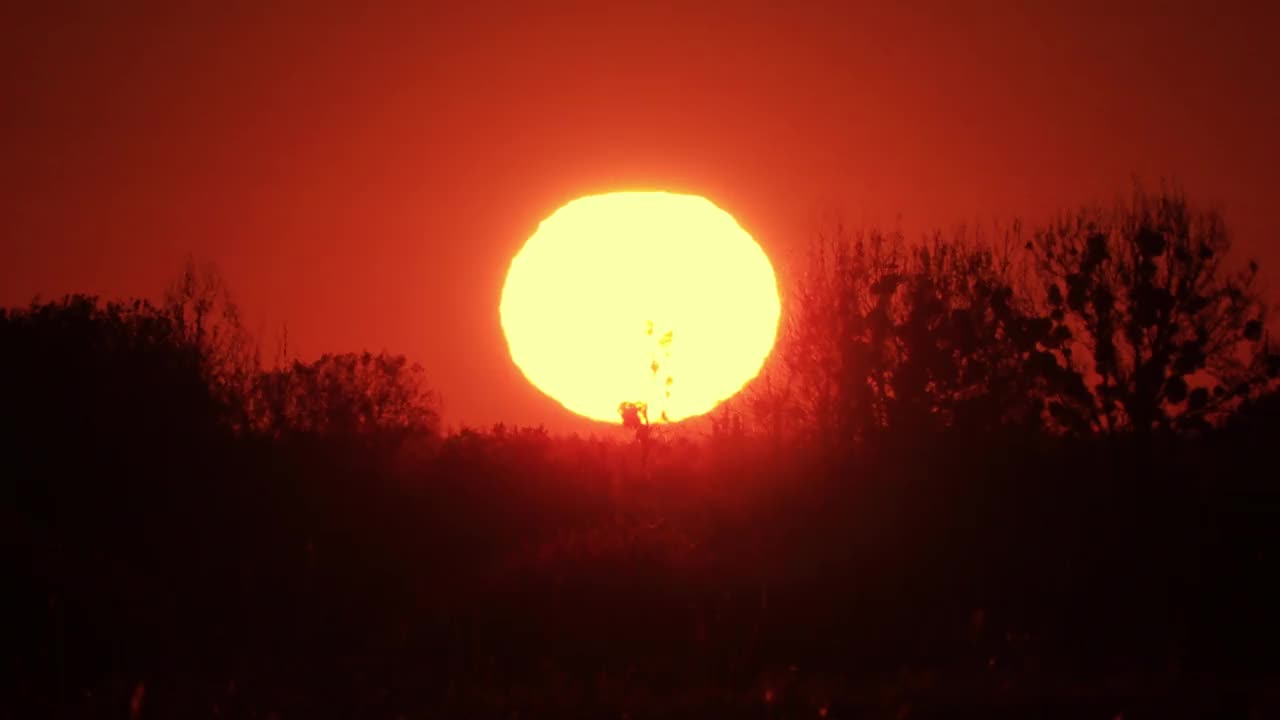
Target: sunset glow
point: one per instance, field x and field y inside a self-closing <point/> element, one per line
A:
<point x="646" y="297"/>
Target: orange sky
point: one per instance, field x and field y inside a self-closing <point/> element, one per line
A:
<point x="365" y="175"/>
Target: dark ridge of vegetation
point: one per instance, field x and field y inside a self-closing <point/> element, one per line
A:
<point x="1010" y="477"/>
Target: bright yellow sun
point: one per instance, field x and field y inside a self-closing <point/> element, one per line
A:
<point x="641" y="297"/>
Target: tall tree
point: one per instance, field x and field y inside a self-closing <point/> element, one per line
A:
<point x="885" y="336"/>
<point x="1172" y="335"/>
<point x="207" y="320"/>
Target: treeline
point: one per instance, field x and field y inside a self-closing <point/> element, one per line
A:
<point x="978" y="472"/>
<point x="1126" y="319"/>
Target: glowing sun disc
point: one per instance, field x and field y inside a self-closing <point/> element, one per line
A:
<point x="646" y="297"/>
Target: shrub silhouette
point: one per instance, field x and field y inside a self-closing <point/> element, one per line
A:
<point x="345" y="395"/>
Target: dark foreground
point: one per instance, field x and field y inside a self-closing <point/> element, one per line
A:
<point x="508" y="574"/>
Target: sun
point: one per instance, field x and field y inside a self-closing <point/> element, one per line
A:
<point x="640" y="297"/>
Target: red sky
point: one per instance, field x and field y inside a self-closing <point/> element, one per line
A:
<point x="365" y="175"/>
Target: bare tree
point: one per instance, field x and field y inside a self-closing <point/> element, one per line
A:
<point x="1172" y="336"/>
<point x="207" y="319"/>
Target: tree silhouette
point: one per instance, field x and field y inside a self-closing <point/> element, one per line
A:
<point x="206" y="318"/>
<point x="1106" y="320"/>
<point x="834" y="339"/>
<point x="969" y="351"/>
<point x="1171" y="336"/>
<point x="886" y="336"/>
